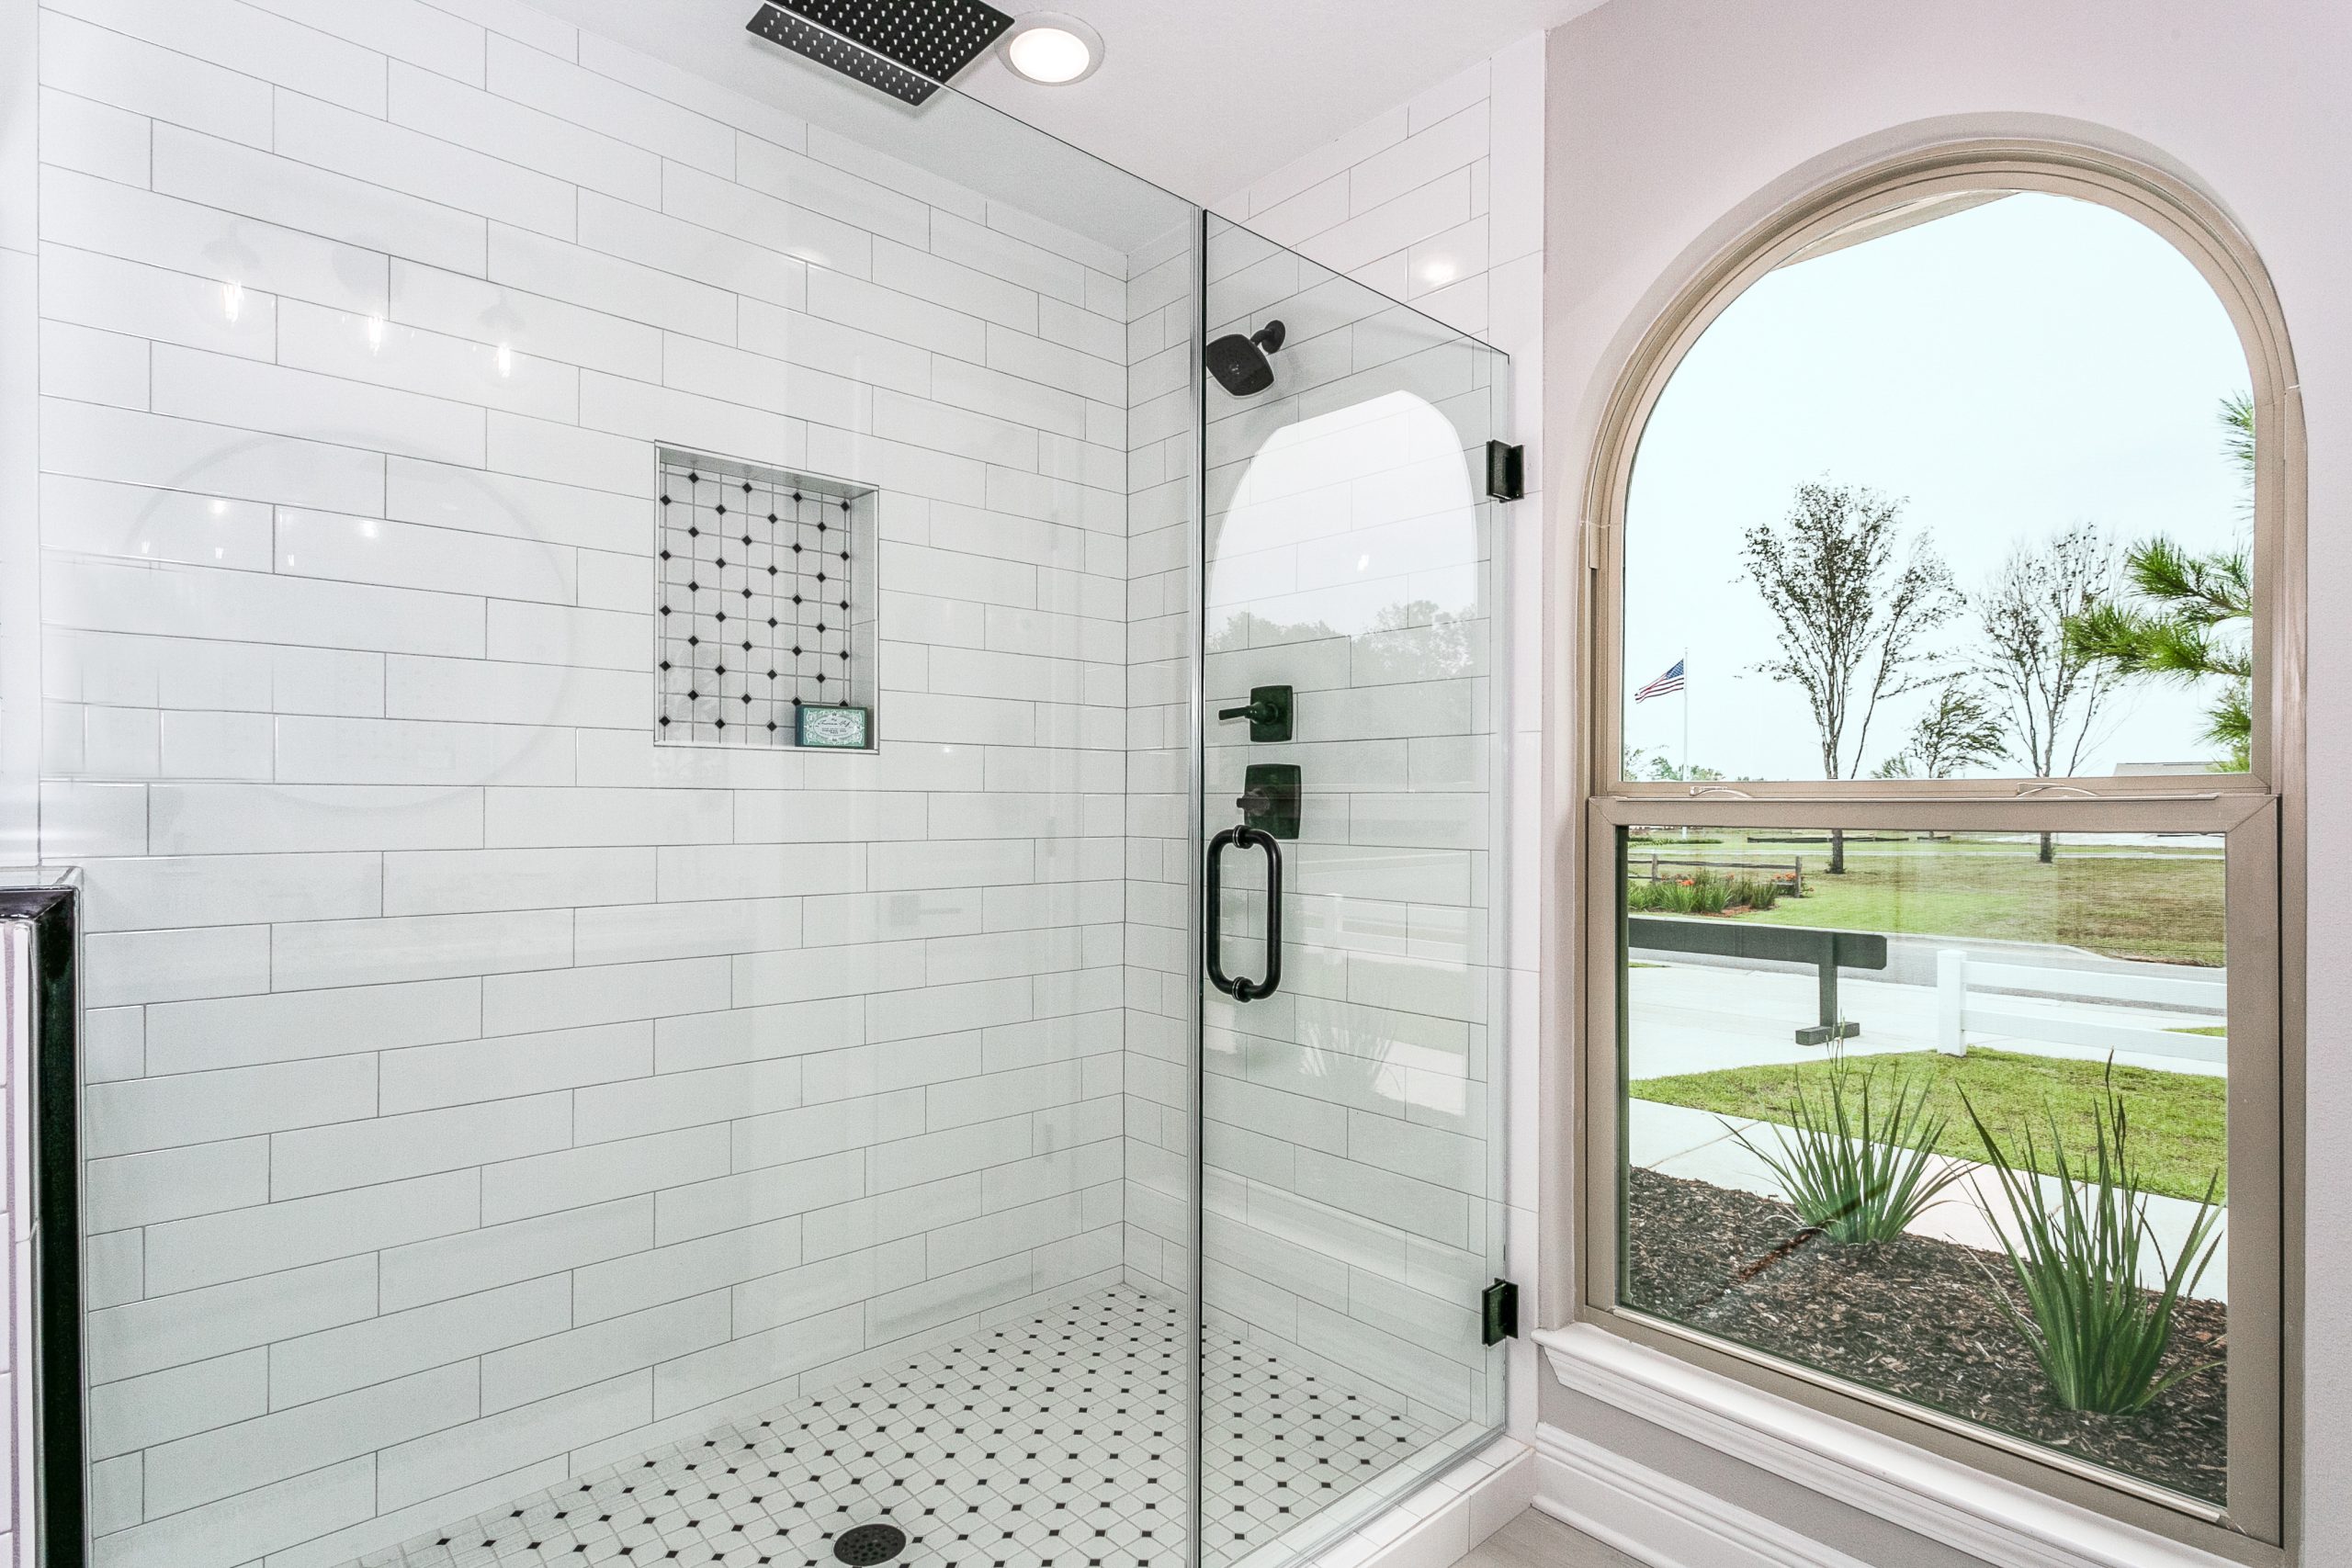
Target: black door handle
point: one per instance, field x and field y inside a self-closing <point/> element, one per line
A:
<point x="1242" y="989"/>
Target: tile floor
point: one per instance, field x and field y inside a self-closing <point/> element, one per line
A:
<point x="1057" y="1442"/>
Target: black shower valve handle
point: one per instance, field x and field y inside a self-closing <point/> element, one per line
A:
<point x="1256" y="711"/>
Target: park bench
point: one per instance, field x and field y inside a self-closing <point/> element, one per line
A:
<point x="1827" y="951"/>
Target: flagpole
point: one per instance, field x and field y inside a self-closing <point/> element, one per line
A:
<point x="1687" y="776"/>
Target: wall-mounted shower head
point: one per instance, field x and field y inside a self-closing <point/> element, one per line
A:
<point x="906" y="48"/>
<point x="1241" y="365"/>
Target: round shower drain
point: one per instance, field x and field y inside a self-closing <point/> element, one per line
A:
<point x="871" y="1543"/>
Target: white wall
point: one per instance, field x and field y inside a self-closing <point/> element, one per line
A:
<point x="481" y="1092"/>
<point x="1673" y="126"/>
<point x="1440" y="202"/>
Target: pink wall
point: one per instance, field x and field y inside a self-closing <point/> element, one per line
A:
<point x="1673" y="126"/>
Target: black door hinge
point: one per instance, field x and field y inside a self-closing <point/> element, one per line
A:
<point x="1499" y="1311"/>
<point x="1506" y="472"/>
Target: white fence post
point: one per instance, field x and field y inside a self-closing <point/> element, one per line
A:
<point x="1951" y="1001"/>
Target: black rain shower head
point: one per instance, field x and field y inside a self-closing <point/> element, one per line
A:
<point x="906" y="48"/>
<point x="1241" y="365"/>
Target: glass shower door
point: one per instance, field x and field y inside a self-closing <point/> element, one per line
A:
<point x="1350" y="1141"/>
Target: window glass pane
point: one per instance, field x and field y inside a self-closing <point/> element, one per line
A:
<point x="1889" y="1170"/>
<point x="1964" y="490"/>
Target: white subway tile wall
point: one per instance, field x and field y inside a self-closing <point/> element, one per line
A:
<point x="479" y="1093"/>
<point x="1356" y="1140"/>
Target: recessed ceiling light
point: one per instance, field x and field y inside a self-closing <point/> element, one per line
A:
<point x="1051" y="48"/>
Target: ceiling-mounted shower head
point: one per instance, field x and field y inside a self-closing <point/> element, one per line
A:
<point x="1241" y="365"/>
<point x="906" y="48"/>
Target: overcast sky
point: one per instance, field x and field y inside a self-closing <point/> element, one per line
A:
<point x="2006" y="372"/>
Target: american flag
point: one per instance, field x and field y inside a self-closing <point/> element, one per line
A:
<point x="1665" y="685"/>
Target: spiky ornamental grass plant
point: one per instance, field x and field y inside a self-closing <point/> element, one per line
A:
<point x="1857" y="1171"/>
<point x="2098" y="1333"/>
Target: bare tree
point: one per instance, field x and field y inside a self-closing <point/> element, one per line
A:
<point x="2051" y="687"/>
<point x="1959" y="732"/>
<point x="1852" y="617"/>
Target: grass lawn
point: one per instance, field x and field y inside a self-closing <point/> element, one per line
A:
<point x="2146" y="902"/>
<point x="2177" y="1119"/>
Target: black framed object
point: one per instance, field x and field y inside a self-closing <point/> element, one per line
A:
<point x="60" y="1526"/>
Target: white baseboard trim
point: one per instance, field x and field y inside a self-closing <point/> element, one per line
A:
<point x="1650" y="1516"/>
<point x="1439" y="1524"/>
<point x="1927" y="1494"/>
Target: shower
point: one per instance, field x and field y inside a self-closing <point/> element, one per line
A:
<point x="1244" y="365"/>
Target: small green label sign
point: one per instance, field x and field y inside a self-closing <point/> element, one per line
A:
<point x="845" y="727"/>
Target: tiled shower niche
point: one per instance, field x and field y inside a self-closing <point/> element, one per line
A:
<point x="764" y="600"/>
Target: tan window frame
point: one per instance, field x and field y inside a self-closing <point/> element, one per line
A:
<point x="2261" y="813"/>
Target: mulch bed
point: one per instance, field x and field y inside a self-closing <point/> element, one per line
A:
<point x="1914" y="1318"/>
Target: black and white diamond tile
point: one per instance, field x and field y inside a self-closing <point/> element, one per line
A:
<point x="1057" y="1442"/>
<point x="753" y="603"/>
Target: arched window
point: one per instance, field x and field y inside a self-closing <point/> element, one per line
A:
<point x="1947" y="590"/>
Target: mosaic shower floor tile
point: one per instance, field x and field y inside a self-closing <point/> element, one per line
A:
<point x="1057" y="1442"/>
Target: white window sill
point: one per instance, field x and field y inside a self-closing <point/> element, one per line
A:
<point x="1940" y="1498"/>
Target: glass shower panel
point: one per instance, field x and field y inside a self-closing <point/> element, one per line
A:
<point x="662" y="952"/>
<point x="1351" y="1213"/>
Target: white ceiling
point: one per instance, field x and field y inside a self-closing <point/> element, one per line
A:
<point x="1204" y="96"/>
<point x="1200" y="97"/>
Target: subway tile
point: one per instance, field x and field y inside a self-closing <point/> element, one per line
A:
<point x="422" y="1142"/>
<point x="162" y="1407"/>
<point x="259" y="184"/>
<point x="367" y="148"/>
<point x="466" y="880"/>
<point x="724" y="871"/>
<point x="556" y="634"/>
<point x="244" y="1528"/>
<point x="444" y="496"/>
<point x="608" y="283"/>
<point x="375" y="750"/>
<point x="789" y="1136"/>
<point x="464" y="1072"/>
<point x="187" y="1254"/>
<point x="561" y="1362"/>
<point x="130" y="1190"/>
<point x="336" y="1360"/>
<point x="535" y="818"/>
<point x="251" y="41"/>
<point x="757" y="1033"/>
<point x="527" y="75"/>
<point x="687" y="1268"/>
<point x="239" y="254"/>
<point x="203" y="1037"/>
<point x="640" y="932"/>
<point x="755" y="1360"/>
<point x="138" y="521"/>
<point x="401" y="555"/>
<point x="310" y="407"/>
<point x="669" y="1101"/>
<point x="752" y="1197"/>
<point x="724" y="207"/>
<point x="502" y="1254"/>
<point x="125" y="446"/>
<point x="230" y="1460"/>
<point x="427" y="1467"/>
<point x="92" y="289"/>
<point x="542" y="449"/>
<point x="636" y="231"/>
<point x="228" y="819"/>
<point x="571" y="1179"/>
<point x="613" y="993"/>
<point x="130" y="967"/>
<point x="161" y="1113"/>
<point x="80" y="365"/>
<point x="409" y="358"/>
<point x="147" y="79"/>
<point x="143" y="1336"/>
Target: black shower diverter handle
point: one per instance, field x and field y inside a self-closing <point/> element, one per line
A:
<point x="1242" y="989"/>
